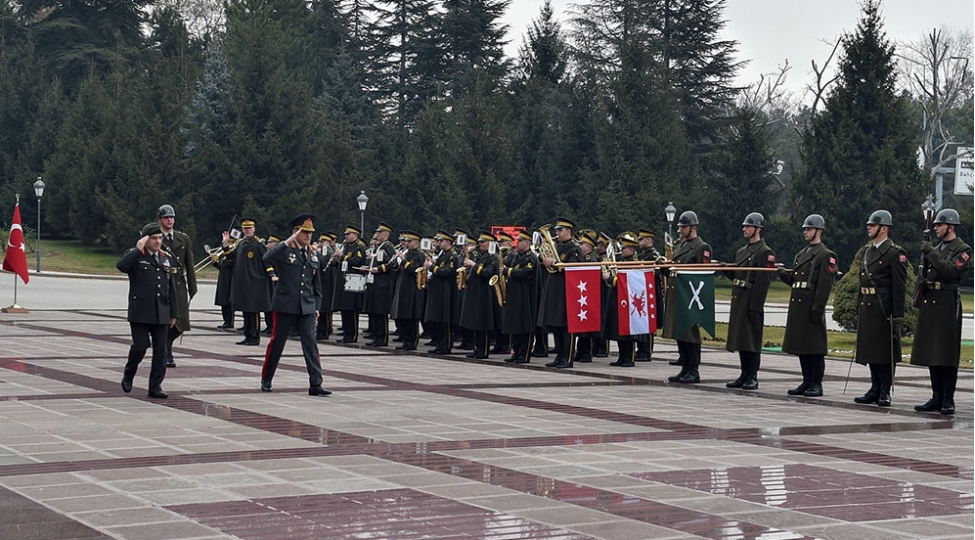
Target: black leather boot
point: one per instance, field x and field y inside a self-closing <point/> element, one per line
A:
<point x="883" y="398"/>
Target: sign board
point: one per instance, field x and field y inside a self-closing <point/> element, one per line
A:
<point x="510" y="229"/>
<point x="964" y="172"/>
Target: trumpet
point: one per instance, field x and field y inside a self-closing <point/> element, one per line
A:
<point x="546" y="247"/>
<point x="214" y="255"/>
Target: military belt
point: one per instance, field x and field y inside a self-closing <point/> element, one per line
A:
<point x="938" y="285"/>
<point x="742" y="283"/>
<point x="800" y="285"/>
<point x="868" y="290"/>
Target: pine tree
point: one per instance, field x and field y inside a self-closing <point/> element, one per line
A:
<point x="859" y="152"/>
<point x="472" y="40"/>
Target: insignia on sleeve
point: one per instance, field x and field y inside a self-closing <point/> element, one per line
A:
<point x="707" y="255"/>
<point x="832" y="265"/>
<point x="964" y="255"/>
<point x="902" y="258"/>
<point x="959" y="263"/>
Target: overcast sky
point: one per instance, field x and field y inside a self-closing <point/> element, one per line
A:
<point x="769" y="32"/>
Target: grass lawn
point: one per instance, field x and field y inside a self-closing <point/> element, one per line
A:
<point x="74" y="257"/>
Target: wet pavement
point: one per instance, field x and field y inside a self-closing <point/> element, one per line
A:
<point x="417" y="446"/>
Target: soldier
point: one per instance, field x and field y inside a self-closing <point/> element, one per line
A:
<point x="883" y="286"/>
<point x="476" y="314"/>
<point x="348" y="287"/>
<point x="601" y="348"/>
<point x="811" y="279"/>
<point x="521" y="299"/>
<point x="297" y="299"/>
<point x="326" y="248"/>
<point x="690" y="250"/>
<point x="502" y="341"/>
<point x="152" y="306"/>
<point x="180" y="249"/>
<point x="746" y="321"/>
<point x="644" y="342"/>
<point x="937" y="339"/>
<point x="250" y="292"/>
<point x="407" y="304"/>
<point x="552" y="309"/>
<point x="624" y="343"/>
<point x="222" y="298"/>
<point x="441" y="287"/>
<point x="586" y="343"/>
<point x="379" y="292"/>
<point x="462" y="246"/>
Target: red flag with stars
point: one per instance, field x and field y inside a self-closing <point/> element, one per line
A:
<point x="16" y="258"/>
<point x="583" y="299"/>
<point x="637" y="307"/>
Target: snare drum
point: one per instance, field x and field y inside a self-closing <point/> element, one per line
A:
<point x="355" y="283"/>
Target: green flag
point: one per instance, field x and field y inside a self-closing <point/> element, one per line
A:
<point x="695" y="302"/>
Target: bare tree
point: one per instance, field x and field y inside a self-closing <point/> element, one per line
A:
<point x="937" y="71"/>
<point x="822" y="82"/>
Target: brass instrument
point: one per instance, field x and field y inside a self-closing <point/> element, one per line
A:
<point x="215" y="255"/>
<point x="421" y="278"/>
<point x="461" y="279"/>
<point x="547" y="248"/>
<point x="495" y="282"/>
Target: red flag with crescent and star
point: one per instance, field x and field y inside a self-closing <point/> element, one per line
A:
<point x="16" y="258"/>
<point x="637" y="307"/>
<point x="583" y="299"/>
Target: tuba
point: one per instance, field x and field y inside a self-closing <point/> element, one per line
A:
<point x="546" y="247"/>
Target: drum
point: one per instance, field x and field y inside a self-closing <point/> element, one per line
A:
<point x="355" y="283"/>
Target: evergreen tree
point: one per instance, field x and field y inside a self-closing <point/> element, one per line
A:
<point x="472" y="40"/>
<point x="859" y="152"/>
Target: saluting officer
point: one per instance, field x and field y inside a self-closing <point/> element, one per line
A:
<point x="379" y="293"/>
<point x="180" y="249"/>
<point x="348" y="301"/>
<point x="297" y="300"/>
<point x="272" y="278"/>
<point x="152" y="306"/>
<point x="883" y="286"/>
<point x="811" y="279"/>
<point x="521" y="299"/>
<point x="250" y="291"/>
<point x="441" y="288"/>
<point x="691" y="250"/>
<point x="477" y="314"/>
<point x="552" y="310"/>
<point x="746" y="321"/>
<point x="937" y="339"/>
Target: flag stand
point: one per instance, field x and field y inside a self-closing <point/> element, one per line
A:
<point x="15" y="308"/>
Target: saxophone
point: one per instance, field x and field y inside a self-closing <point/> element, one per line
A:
<point x="546" y="247"/>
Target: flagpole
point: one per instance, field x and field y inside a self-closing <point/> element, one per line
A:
<point x="15" y="260"/>
<point x="15" y="308"/>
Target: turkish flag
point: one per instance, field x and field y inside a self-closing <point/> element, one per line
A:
<point x="16" y="258"/>
<point x="582" y="299"/>
<point x="637" y="307"/>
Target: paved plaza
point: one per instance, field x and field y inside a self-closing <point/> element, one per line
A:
<point x="414" y="446"/>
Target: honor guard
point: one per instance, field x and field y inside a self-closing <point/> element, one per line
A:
<point x="690" y="250"/>
<point x="179" y="247"/>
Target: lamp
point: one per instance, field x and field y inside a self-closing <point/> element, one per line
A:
<point x="363" y="200"/>
<point x="39" y="191"/>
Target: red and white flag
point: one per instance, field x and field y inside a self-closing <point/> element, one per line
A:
<point x="16" y="258"/>
<point x="583" y="298"/>
<point x="637" y="306"/>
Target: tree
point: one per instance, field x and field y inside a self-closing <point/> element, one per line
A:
<point x="472" y="40"/>
<point x="859" y="153"/>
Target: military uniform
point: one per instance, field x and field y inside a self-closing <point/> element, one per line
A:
<point x="407" y="306"/>
<point x="625" y="344"/>
<point x="297" y="300"/>
<point x="349" y="303"/>
<point x="441" y="289"/>
<point x="477" y="314"/>
<point x="378" y="298"/>
<point x="746" y="322"/>
<point x="222" y="297"/>
<point x="693" y="251"/>
<point x="521" y="302"/>
<point x="644" y="342"/>
<point x="327" y="277"/>
<point x="937" y="336"/>
<point x="552" y="308"/>
<point x="250" y="292"/>
<point x="811" y="279"/>
<point x="180" y="249"/>
<point x="152" y="304"/>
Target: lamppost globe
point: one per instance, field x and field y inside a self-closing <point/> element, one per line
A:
<point x="39" y="191"/>
<point x="670" y="212"/>
<point x="362" y="200"/>
<point x="927" y="207"/>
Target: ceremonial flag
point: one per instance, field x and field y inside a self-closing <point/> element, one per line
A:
<point x="694" y="302"/>
<point x="16" y="258"/>
<point x="637" y="308"/>
<point x="582" y="299"/>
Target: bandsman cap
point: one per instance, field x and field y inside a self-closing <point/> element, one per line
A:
<point x="353" y="230"/>
<point x="646" y="233"/>
<point x="383" y="226"/>
<point x="563" y="223"/>
<point x="485" y="236"/>
<point x="443" y="235"/>
<point x="505" y="237"/>
<point x="410" y="235"/>
<point x="524" y="235"/>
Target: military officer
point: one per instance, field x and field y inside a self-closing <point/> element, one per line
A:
<point x="811" y="279"/>
<point x="441" y="287"/>
<point x="350" y="283"/>
<point x="153" y="309"/>
<point x="690" y="250"/>
<point x="746" y="321"/>
<point x="379" y="293"/>
<point x="407" y="305"/>
<point x="250" y="292"/>
<point x="644" y="342"/>
<point x="297" y="299"/>
<point x="272" y="278"/>
<point x="180" y="248"/>
<point x="937" y="338"/>
<point x="521" y="299"/>
<point x="883" y="286"/>
<point x="626" y="344"/>
<point x="476" y="313"/>
<point x="552" y="309"/>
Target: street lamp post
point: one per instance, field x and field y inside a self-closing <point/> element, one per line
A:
<point x="927" y="208"/>
<point x="39" y="191"/>
<point x="670" y="211"/>
<point x="363" y="200"/>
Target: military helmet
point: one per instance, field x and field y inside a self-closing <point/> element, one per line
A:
<point x="880" y="217"/>
<point x="754" y="220"/>
<point x="166" y="211"/>
<point x="687" y="218"/>
<point x="814" y="221"/>
<point x="948" y="216"/>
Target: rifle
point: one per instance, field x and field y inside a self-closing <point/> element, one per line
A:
<point x="920" y="281"/>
